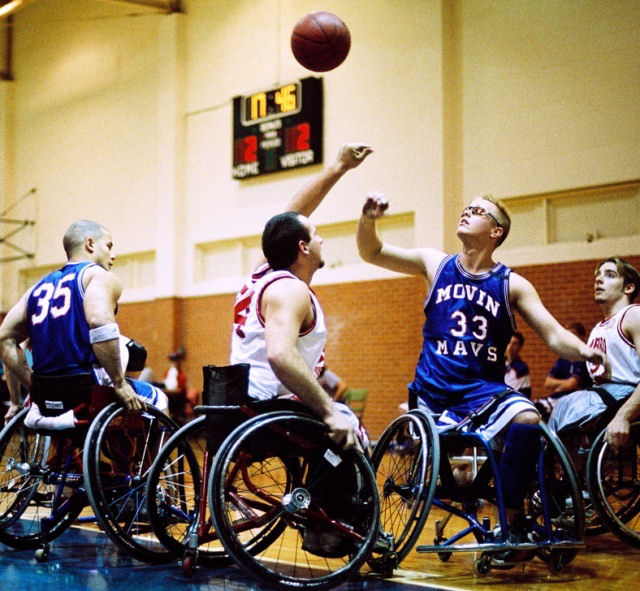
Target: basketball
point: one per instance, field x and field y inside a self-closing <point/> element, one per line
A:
<point x="320" y="41"/>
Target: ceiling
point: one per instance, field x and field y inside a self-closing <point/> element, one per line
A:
<point x="10" y="7"/>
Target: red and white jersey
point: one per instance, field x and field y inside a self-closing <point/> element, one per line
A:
<point x="623" y="361"/>
<point x="248" y="344"/>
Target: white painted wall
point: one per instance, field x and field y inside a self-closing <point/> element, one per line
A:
<point x="123" y="115"/>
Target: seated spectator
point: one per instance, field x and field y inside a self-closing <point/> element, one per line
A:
<point x="516" y="372"/>
<point x="332" y="383"/>
<point x="176" y="386"/>
<point x="564" y="377"/>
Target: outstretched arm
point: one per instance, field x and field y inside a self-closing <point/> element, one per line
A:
<point x="307" y="199"/>
<point x="618" y="429"/>
<point x="412" y="261"/>
<point x="525" y="299"/>
<point x="101" y="296"/>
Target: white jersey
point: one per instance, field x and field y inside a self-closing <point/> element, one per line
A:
<point x="623" y="362"/>
<point x="248" y="344"/>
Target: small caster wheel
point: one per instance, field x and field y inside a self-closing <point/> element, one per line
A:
<point x="482" y="566"/>
<point x="556" y="562"/>
<point x="42" y="554"/>
<point x="188" y="565"/>
<point x="384" y="565"/>
<point x="444" y="556"/>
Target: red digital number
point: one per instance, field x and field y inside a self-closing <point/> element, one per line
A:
<point x="304" y="133"/>
<point x="246" y="150"/>
<point x="296" y="139"/>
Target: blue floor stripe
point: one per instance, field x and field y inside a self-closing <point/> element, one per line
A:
<point x="82" y="560"/>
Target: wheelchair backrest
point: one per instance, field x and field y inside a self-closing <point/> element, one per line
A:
<point x="225" y="386"/>
<point x="57" y="394"/>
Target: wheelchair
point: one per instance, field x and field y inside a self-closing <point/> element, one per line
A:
<point x="613" y="485"/>
<point x="609" y="479"/>
<point x="415" y="471"/>
<point x="256" y="483"/>
<point x="49" y="478"/>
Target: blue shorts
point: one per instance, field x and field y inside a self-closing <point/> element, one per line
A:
<point x="149" y="393"/>
<point x="502" y="415"/>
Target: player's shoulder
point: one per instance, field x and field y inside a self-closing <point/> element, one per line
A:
<point x="285" y="291"/>
<point x="519" y="284"/>
<point x="429" y="253"/>
<point x="91" y="271"/>
<point x="631" y="319"/>
<point x="100" y="275"/>
<point x="432" y="259"/>
<point x="284" y="286"/>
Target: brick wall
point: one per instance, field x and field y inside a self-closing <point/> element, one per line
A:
<point x="374" y="330"/>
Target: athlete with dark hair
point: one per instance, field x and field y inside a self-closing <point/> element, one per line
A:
<point x="616" y="384"/>
<point x="279" y="325"/>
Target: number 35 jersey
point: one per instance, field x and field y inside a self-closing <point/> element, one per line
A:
<point x="57" y="323"/>
<point x="468" y="325"/>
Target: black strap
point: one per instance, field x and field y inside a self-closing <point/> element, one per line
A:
<point x="55" y="394"/>
<point x="479" y="417"/>
<point x="609" y="401"/>
<point x="612" y="404"/>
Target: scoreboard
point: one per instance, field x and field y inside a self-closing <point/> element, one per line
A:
<point x="277" y="129"/>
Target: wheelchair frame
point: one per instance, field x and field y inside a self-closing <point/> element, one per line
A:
<point x="554" y="525"/>
<point x="613" y="481"/>
<point x="261" y="509"/>
<point x="56" y="461"/>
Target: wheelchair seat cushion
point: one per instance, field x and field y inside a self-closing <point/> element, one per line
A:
<point x="56" y="394"/>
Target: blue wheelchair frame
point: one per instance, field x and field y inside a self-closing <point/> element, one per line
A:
<point x="545" y="537"/>
<point x="554" y="512"/>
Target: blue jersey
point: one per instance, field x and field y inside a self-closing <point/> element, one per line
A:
<point x="57" y="323"/>
<point x="468" y="326"/>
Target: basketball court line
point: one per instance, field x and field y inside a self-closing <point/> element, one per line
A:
<point x="412" y="578"/>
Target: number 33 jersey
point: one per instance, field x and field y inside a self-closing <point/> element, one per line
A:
<point x="468" y="325"/>
<point x="57" y="323"/>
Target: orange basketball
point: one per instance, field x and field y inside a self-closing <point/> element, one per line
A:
<point x="320" y="41"/>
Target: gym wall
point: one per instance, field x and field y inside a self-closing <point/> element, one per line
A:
<point x="120" y="113"/>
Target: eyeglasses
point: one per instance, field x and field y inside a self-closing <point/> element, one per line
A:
<point x="479" y="210"/>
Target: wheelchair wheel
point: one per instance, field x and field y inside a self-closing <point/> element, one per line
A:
<point x="175" y="498"/>
<point x="556" y="505"/>
<point x="614" y="485"/>
<point x="404" y="460"/>
<point x="291" y="507"/>
<point x="118" y="453"/>
<point x="38" y="496"/>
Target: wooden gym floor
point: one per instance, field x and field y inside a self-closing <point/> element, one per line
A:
<point x="84" y="559"/>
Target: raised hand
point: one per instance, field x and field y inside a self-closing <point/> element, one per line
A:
<point x="375" y="205"/>
<point x="352" y="155"/>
